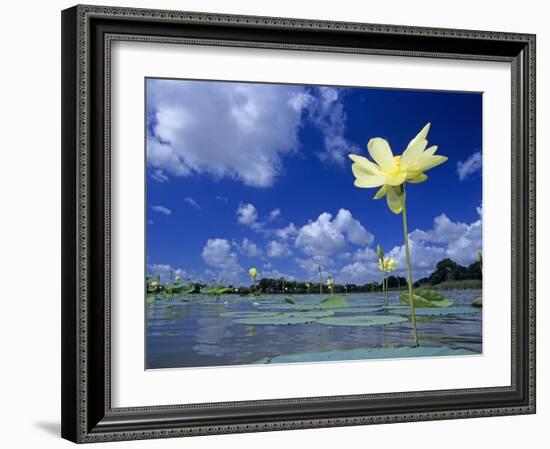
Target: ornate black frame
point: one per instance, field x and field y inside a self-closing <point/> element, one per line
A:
<point x="87" y="32"/>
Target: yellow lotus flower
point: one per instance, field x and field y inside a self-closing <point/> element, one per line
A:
<point x="390" y="172"/>
<point x="253" y="273"/>
<point x="387" y="264"/>
<point x="330" y="281"/>
<point x="178" y="278"/>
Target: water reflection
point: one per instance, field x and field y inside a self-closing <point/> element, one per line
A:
<point x="195" y="331"/>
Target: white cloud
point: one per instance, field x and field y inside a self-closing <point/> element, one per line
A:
<point x="326" y="112"/>
<point x="158" y="175"/>
<point x="288" y="232"/>
<point x="469" y="166"/>
<point x="161" y="210"/>
<point x="247" y="215"/>
<point x="364" y="254"/>
<point x="326" y="236"/>
<point x="240" y="131"/>
<point x="274" y="214"/>
<point x="249" y="248"/>
<point x="222" y="198"/>
<point x="217" y="253"/>
<point x="354" y="231"/>
<point x="456" y="240"/>
<point x="227" y="130"/>
<point x="278" y="249"/>
<point x="311" y="265"/>
<point x="359" y="273"/>
<point x="192" y="202"/>
<point x="166" y="272"/>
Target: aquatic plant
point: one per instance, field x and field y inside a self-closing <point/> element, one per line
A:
<point x="320" y="280"/>
<point x="307" y="286"/>
<point x="423" y="297"/>
<point x="330" y="284"/>
<point x="391" y="173"/>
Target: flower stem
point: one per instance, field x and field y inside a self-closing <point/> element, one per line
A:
<point x="385" y="288"/>
<point x="406" y="232"/>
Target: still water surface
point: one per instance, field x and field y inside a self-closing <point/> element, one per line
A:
<point x="198" y="331"/>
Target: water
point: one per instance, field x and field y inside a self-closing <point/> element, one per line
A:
<point x="195" y="331"/>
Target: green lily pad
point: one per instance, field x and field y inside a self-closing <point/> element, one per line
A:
<point x="478" y="302"/>
<point x="296" y="307"/>
<point x="277" y="320"/>
<point x="334" y="302"/>
<point x="362" y="320"/>
<point x="214" y="290"/>
<point x="423" y="297"/>
<point x="179" y="288"/>
<point x="366" y="309"/>
<point x="436" y="311"/>
<point x="366" y="353"/>
<point x="247" y="314"/>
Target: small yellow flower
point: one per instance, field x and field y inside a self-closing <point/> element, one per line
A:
<point x="154" y="284"/>
<point x="387" y="264"/>
<point x="390" y="172"/>
<point x="253" y="273"/>
<point x="178" y="278"/>
<point x="330" y="281"/>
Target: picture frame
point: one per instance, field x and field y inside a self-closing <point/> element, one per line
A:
<point x="87" y="35"/>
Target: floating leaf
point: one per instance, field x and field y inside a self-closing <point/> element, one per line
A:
<point x="350" y="310"/>
<point x="478" y="302"/>
<point x="290" y="300"/>
<point x="285" y="318"/>
<point x="287" y="306"/>
<point x="362" y="320"/>
<point x="436" y="311"/>
<point x="423" y="297"/>
<point x="247" y="314"/>
<point x="367" y="353"/>
<point x="179" y="288"/>
<point x="334" y="302"/>
<point x="214" y="290"/>
<point x="277" y="320"/>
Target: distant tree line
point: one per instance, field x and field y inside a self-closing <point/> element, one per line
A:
<point x="449" y="270"/>
<point x="446" y="270"/>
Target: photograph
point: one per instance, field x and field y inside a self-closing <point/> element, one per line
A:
<point x="294" y="223"/>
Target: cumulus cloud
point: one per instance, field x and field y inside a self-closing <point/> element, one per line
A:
<point x="456" y="240"/>
<point x="359" y="273"/>
<point x="166" y="272"/>
<point x="161" y="210"/>
<point x="278" y="249"/>
<point x="227" y="130"/>
<point x="247" y="215"/>
<point x="217" y="254"/>
<point x="249" y="248"/>
<point x="327" y="236"/>
<point x="469" y="166"/>
<point x="192" y="202"/>
<point x="288" y="232"/>
<point x="240" y="131"/>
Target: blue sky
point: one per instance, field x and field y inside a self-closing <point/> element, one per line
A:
<point x="251" y="174"/>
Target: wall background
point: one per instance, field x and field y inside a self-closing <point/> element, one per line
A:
<point x="30" y="221"/>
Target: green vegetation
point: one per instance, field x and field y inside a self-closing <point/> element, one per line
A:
<point x="426" y="298"/>
<point x="449" y="274"/>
